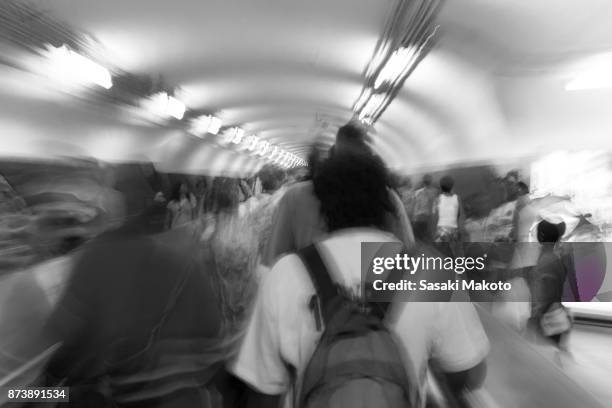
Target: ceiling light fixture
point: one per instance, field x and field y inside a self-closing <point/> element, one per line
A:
<point x="238" y="135"/>
<point x="262" y="147"/>
<point x="399" y="62"/>
<point x="597" y="77"/>
<point x="273" y="152"/>
<point x="373" y="105"/>
<point x="253" y="144"/>
<point x="246" y="142"/>
<point x="206" y="124"/>
<point x="70" y="67"/>
<point x="165" y="105"/>
<point x="378" y="59"/>
<point x="363" y="99"/>
<point x="176" y="108"/>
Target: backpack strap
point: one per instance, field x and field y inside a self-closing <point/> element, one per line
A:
<point x="381" y="308"/>
<point x="324" y="285"/>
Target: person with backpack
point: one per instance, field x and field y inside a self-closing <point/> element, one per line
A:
<point x="422" y="212"/>
<point x="314" y="342"/>
<point x="298" y="221"/>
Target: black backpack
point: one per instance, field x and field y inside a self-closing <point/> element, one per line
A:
<point x="357" y="362"/>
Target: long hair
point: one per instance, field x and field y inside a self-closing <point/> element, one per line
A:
<point x="352" y="190"/>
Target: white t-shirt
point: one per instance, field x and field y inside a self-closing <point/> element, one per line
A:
<point x="282" y="328"/>
<point x="448" y="210"/>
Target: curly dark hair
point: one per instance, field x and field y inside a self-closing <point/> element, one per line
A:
<point x="352" y="137"/>
<point x="352" y="190"/>
<point x="446" y="184"/>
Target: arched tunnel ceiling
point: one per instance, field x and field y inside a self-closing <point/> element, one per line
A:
<point x="290" y="71"/>
<point x="229" y="54"/>
<point x="493" y="88"/>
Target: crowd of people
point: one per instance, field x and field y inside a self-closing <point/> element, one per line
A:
<point x="227" y="291"/>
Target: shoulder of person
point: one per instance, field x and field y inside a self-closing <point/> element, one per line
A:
<point x="301" y="189"/>
<point x="288" y="260"/>
<point x="301" y="186"/>
<point x="287" y="276"/>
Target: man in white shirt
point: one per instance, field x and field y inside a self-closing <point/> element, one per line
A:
<point x="298" y="222"/>
<point x="282" y="334"/>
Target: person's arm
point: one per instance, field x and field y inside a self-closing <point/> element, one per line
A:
<point x="399" y="224"/>
<point x="259" y="362"/>
<point x="460" y="347"/>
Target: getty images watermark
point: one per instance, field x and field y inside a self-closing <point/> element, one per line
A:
<point x="391" y="270"/>
<point x="486" y="272"/>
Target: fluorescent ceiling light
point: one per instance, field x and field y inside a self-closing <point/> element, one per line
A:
<point x="71" y="67"/>
<point x="597" y="77"/>
<point x="158" y="104"/>
<point x="377" y="60"/>
<point x="363" y="98"/>
<point x="397" y="64"/>
<point x="176" y="108"/>
<point x="206" y="124"/>
<point x="234" y="135"/>
<point x="246" y="142"/>
<point x="373" y="105"/>
<point x="263" y="147"/>
<point x="238" y="135"/>
<point x="253" y="145"/>
<point x="164" y="105"/>
<point x="200" y="125"/>
<point x="365" y="120"/>
<point x="273" y="152"/>
<point x="215" y="125"/>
